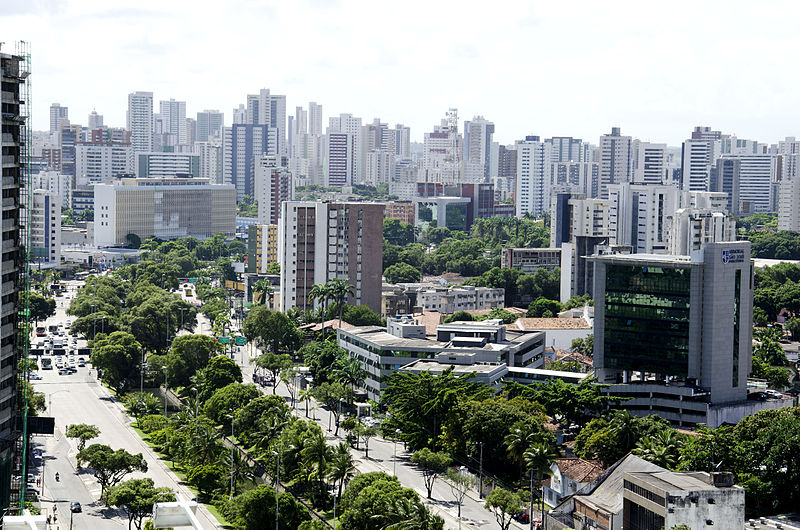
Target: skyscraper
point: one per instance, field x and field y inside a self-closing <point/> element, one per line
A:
<point x="477" y="149"/>
<point x="700" y="153"/>
<point x="173" y="116"/>
<point x="649" y="163"/>
<point x="209" y="124"/>
<point x="350" y="125"/>
<point x="314" y="119"/>
<point x="441" y="159"/>
<point x="268" y="109"/>
<point x="615" y="160"/>
<point x="533" y="176"/>
<point x="273" y="185"/>
<point x="318" y="242"/>
<point x="95" y="120"/>
<point x="57" y="112"/>
<point x="340" y="160"/>
<point x="140" y="120"/>
<point x="243" y="145"/>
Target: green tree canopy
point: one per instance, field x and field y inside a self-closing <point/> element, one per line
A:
<point x="220" y="372"/>
<point x="401" y="273"/>
<point x="110" y="467"/>
<point x="117" y="355"/>
<point x="137" y="497"/>
<point x="83" y="433"/>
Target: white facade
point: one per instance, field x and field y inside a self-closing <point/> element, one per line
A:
<point x="789" y="204"/>
<point x="314" y="119"/>
<point x="691" y="229"/>
<point x="650" y="163"/>
<point x="96" y="163"/>
<point x="209" y="125"/>
<point x="477" y="148"/>
<point x="638" y="215"/>
<point x="467" y="298"/>
<point x="756" y="177"/>
<point x="698" y="157"/>
<point x="350" y="125"/>
<point x="163" y="208"/>
<point x="56" y="183"/>
<point x="340" y="159"/>
<point x="210" y="154"/>
<point x="45" y="227"/>
<point x="441" y="160"/>
<point x="378" y="168"/>
<point x="57" y="113"/>
<point x="401" y="140"/>
<point x="616" y="160"/>
<point x="95" y="120"/>
<point x="167" y="165"/>
<point x="269" y="109"/>
<point x="173" y="116"/>
<point x="140" y="120"/>
<point x="533" y="177"/>
<point x="273" y="185"/>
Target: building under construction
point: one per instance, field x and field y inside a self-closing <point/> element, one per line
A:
<point x="15" y="141"/>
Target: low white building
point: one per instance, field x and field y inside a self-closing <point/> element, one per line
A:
<point x="465" y="298"/>
<point x="568" y="475"/>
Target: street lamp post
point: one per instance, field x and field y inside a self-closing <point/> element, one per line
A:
<point x="278" y="484"/>
<point x="480" y="474"/>
<point x="394" y="465"/>
<point x="230" y="416"/>
<point x="195" y="409"/>
<point x="166" y="389"/>
<point x="461" y="485"/>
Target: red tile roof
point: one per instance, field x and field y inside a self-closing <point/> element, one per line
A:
<point x="579" y="470"/>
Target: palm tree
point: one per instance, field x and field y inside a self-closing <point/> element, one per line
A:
<point x="348" y="372"/>
<point x="205" y="445"/>
<point x="321" y="292"/>
<point x="315" y="455"/>
<point x="268" y="429"/>
<point x="339" y="291"/>
<point x="406" y="514"/>
<point x="662" y="449"/>
<point x="241" y="470"/>
<point x="263" y="287"/>
<point x="521" y="436"/>
<point x="538" y="458"/>
<point x="623" y="425"/>
<point x="342" y="467"/>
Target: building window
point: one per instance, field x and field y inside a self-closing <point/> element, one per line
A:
<point x="737" y="306"/>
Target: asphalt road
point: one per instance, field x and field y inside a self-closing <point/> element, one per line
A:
<point x="79" y="398"/>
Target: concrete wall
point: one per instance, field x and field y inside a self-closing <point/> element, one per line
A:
<point x="727" y="510"/>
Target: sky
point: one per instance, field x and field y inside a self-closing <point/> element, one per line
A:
<point x="574" y="68"/>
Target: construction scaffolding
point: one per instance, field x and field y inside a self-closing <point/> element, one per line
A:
<point x="25" y="107"/>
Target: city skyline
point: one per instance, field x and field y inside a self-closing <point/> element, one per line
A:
<point x="541" y="69"/>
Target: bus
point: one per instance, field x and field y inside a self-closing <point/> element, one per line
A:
<point x="40" y="331"/>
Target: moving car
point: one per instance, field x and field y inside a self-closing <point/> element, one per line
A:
<point x="75" y="507"/>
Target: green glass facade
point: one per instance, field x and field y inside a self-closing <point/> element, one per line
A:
<point x="647" y="319"/>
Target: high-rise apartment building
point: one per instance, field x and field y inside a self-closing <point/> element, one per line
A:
<point x="173" y="117"/>
<point x="163" y="208"/>
<point x="699" y="155"/>
<point x="616" y="160"/>
<point x="57" y="113"/>
<point x="13" y="140"/>
<point x="140" y="120"/>
<point x="649" y="163"/>
<point x="401" y="140"/>
<point x="314" y="119"/>
<point x="95" y="121"/>
<point x="533" y="176"/>
<point x="318" y="242"/>
<point x="167" y="165"/>
<point x="209" y="124"/>
<point x="674" y="333"/>
<point x="340" y="159"/>
<point x="269" y="109"/>
<point x="749" y="179"/>
<point x="441" y="160"/>
<point x="350" y="125"/>
<point x="262" y="247"/>
<point x="566" y="149"/>
<point x="477" y="149"/>
<point x="273" y="186"/>
<point x="210" y="154"/>
<point x="56" y="183"/>
<point x="691" y="229"/>
<point x="100" y="160"/>
<point x="69" y="137"/>
<point x="243" y="145"/>
<point x="45" y="227"/>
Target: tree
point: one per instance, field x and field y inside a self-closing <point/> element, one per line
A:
<point x="255" y="510"/>
<point x="331" y="395"/>
<point x="397" y="232"/>
<point x="273" y="329"/>
<point x="339" y="290"/>
<point x="263" y="288"/>
<point x="362" y="315"/>
<point x="83" y="433"/>
<point x="134" y="241"/>
<point x="117" y="355"/>
<point x="341" y="467"/>
<point x="141" y="404"/>
<point x="460" y="483"/>
<point x="538" y="458"/>
<point x="505" y="505"/>
<point x="432" y="464"/>
<point x="229" y="399"/>
<point x="401" y="273"/>
<point x="584" y="346"/>
<point x="348" y="372"/>
<point x="459" y="316"/>
<point x="240" y="469"/>
<point x="274" y="363"/>
<point x="189" y="354"/>
<point x="365" y="433"/>
<point x="220" y="372"/>
<point x="316" y="453"/>
<point x="542" y="307"/>
<point x="322" y="293"/>
<point x="41" y="308"/>
<point x="376" y="501"/>
<point x="206" y="478"/>
<point x="137" y="498"/>
<point x="109" y="466"/>
<point x="663" y="449"/>
<point x="503" y="314"/>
